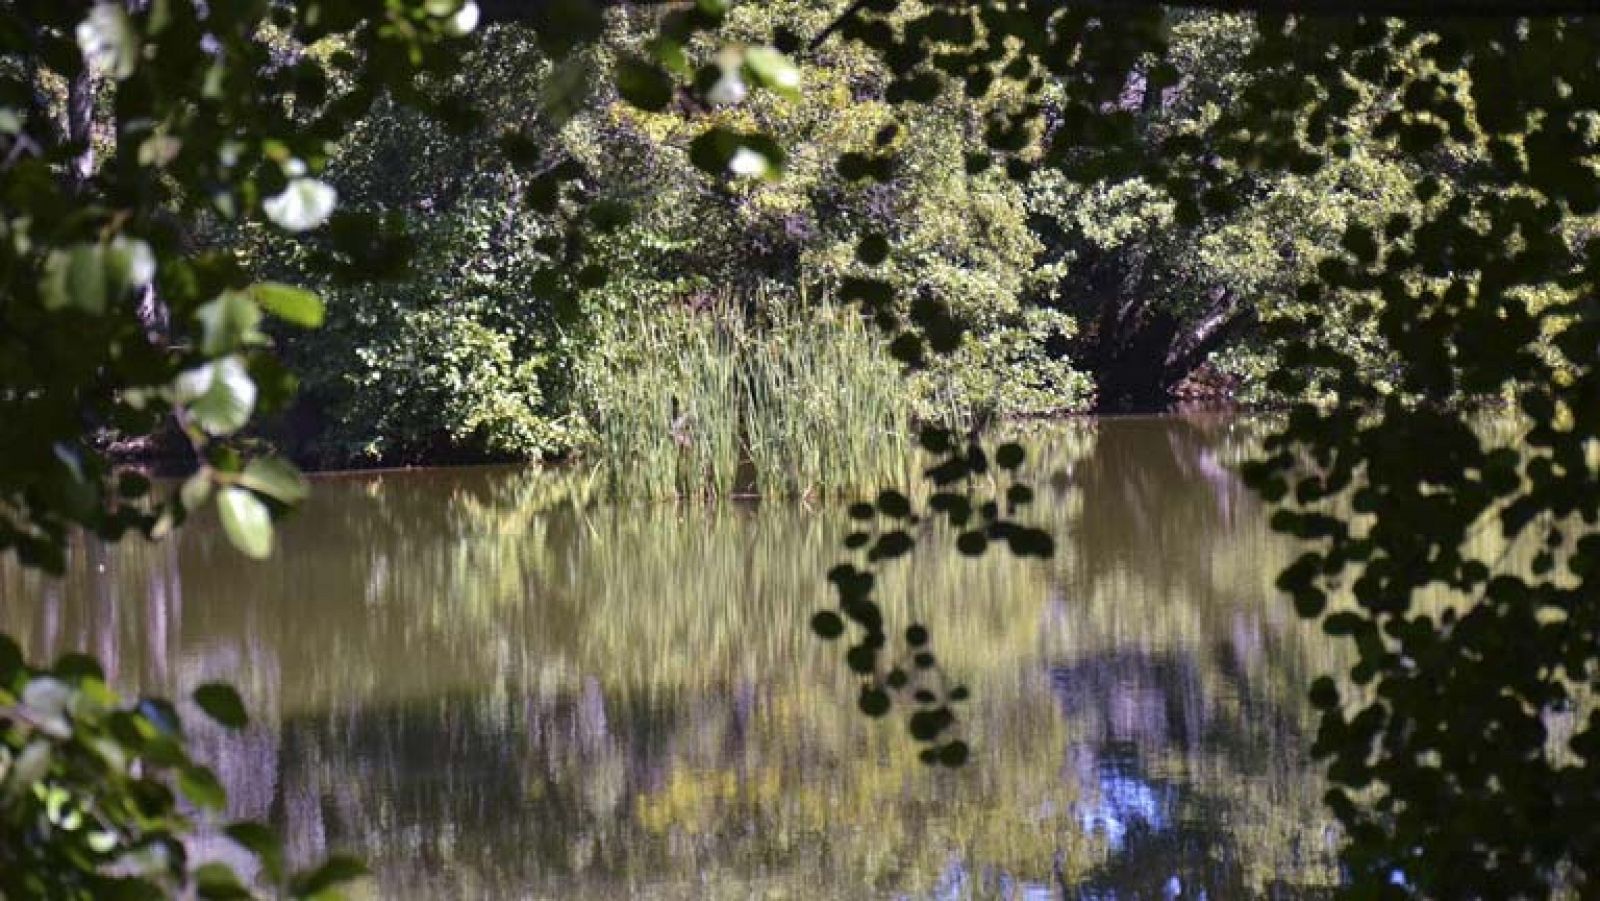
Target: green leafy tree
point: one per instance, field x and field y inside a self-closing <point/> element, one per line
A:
<point x="567" y="210"/>
<point x="1167" y="303"/>
<point x="464" y="351"/>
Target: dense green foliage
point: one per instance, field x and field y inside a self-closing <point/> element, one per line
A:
<point x="1085" y="284"/>
<point x="1163" y="298"/>
<point x="506" y="320"/>
<point x="1065" y="291"/>
<point x="92" y="786"/>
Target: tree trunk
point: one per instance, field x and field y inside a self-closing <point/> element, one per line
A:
<point x="1139" y="356"/>
<point x="80" y="127"/>
<point x="1131" y="375"/>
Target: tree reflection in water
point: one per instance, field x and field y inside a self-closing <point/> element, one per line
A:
<point x="494" y="688"/>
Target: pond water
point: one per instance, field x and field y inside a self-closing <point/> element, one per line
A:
<point x="493" y="689"/>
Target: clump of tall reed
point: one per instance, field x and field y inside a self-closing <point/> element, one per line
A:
<point x="686" y="403"/>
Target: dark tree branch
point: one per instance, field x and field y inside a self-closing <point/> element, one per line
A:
<point x="1224" y="303"/>
<point x="1217" y="327"/>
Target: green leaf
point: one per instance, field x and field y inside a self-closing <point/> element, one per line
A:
<point x="723" y="152"/>
<point x="200" y="785"/>
<point x="723" y="81"/>
<point x="228" y="323"/>
<point x="296" y="306"/>
<point x="221" y="703"/>
<point x="336" y="870"/>
<point x="262" y="842"/>
<point x="10" y="660"/>
<point x="88" y="277"/>
<point x="972" y="543"/>
<point x="246" y="521"/>
<point x="646" y="86"/>
<point x="772" y="70"/>
<point x="129" y="263"/>
<point x="670" y="54"/>
<point x="1009" y="456"/>
<point x="157" y="151"/>
<point x="196" y="490"/>
<point x="728" y="88"/>
<point x="711" y="150"/>
<point x="954" y="754"/>
<point x="28" y="768"/>
<point x="217" y="882"/>
<point x="926" y="725"/>
<point x="827" y="624"/>
<point x="275" y="478"/>
<point x="874" y="702"/>
<point x="47" y="701"/>
<point x="872" y="250"/>
<point x="75" y="278"/>
<point x="891" y="545"/>
<point x="895" y="504"/>
<point x="220" y="395"/>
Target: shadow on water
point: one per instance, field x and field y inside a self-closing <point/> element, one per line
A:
<point x="493" y="688"/>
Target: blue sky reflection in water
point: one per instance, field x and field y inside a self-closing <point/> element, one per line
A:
<point x="496" y="689"/>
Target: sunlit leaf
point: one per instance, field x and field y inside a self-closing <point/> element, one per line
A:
<point x="246" y="522"/>
<point x="220" y="395"/>
<point x="76" y="278"/>
<point x="296" y="306"/>
<point x="464" y="20"/>
<point x="773" y="70"/>
<point x="228" y="323"/>
<point x="827" y="624"/>
<point x="727" y="86"/>
<point x="276" y="479"/>
<point x="196" y="490"/>
<point x="108" y="40"/>
<point x="304" y="204"/>
<point x="46" y="700"/>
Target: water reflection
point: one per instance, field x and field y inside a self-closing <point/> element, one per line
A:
<point x="497" y="690"/>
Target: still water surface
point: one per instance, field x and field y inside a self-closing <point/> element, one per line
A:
<point x="493" y="690"/>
